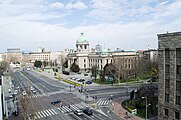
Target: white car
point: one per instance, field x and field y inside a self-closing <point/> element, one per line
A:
<point x="24" y="93"/>
<point x="11" y="96"/>
<point x="15" y="92"/>
<point x="9" y="90"/>
<point x="32" y="89"/>
<point x="78" y="112"/>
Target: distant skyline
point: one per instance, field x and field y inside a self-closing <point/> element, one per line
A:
<point x="56" y="24"/>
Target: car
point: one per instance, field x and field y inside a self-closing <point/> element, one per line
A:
<point x="15" y="92"/>
<point x="9" y="90"/>
<point x="34" y="91"/>
<point x="56" y="102"/>
<point x="81" y="80"/>
<point x="87" y="111"/>
<point x="73" y="78"/>
<point x="24" y="93"/>
<point x="89" y="82"/>
<point x="78" y="112"/>
<point x="17" y="87"/>
<point x="11" y="96"/>
<point x="85" y="74"/>
<point x="77" y="79"/>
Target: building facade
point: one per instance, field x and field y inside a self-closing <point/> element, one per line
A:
<point x="169" y="98"/>
<point x="151" y="55"/>
<point x="99" y="56"/>
<point x="13" y="55"/>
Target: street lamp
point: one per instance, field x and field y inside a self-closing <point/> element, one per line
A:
<point x="146" y="106"/>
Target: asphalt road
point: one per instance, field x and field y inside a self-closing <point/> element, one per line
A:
<point x="110" y="92"/>
<point x="49" y="90"/>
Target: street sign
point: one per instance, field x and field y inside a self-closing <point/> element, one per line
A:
<point x="110" y="78"/>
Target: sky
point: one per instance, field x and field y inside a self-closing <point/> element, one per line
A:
<point x="57" y="24"/>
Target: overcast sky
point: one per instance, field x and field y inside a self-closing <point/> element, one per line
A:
<point x="56" y="24"/>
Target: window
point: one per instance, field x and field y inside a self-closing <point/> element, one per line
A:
<point x="85" y="47"/>
<point x="167" y="68"/>
<point x="178" y="52"/>
<point x="166" y="112"/>
<point x="107" y="60"/>
<point x="84" y="65"/>
<point x="179" y="69"/>
<point x="166" y="97"/>
<point x="177" y="100"/>
<point x="178" y="86"/>
<point x="84" y="60"/>
<point x="167" y="53"/>
<point x="177" y="115"/>
<point x="167" y="83"/>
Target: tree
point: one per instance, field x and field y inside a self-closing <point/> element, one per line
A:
<point x="74" y="68"/>
<point x="24" y="100"/>
<point x="132" y="95"/>
<point x="65" y="64"/>
<point x="38" y="64"/>
<point x="94" y="71"/>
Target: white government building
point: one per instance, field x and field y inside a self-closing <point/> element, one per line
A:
<point x="86" y="58"/>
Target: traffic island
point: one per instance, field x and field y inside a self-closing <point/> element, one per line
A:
<point x="72" y="83"/>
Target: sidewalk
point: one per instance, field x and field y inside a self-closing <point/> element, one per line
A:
<point x="117" y="108"/>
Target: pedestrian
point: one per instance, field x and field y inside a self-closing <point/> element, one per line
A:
<point x="126" y="113"/>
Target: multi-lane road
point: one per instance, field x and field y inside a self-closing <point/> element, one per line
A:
<point x="48" y="90"/>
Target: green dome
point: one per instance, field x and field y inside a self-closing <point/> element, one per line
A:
<point x="104" y="52"/>
<point x="82" y="39"/>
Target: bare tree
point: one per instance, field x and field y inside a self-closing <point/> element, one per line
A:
<point x="24" y="100"/>
<point x="121" y="69"/>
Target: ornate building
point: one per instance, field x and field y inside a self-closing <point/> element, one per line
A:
<point x="99" y="56"/>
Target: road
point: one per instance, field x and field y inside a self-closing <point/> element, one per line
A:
<point x="48" y="90"/>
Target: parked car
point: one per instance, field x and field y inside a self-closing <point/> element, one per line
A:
<point x="9" y="90"/>
<point x="15" y="92"/>
<point x="11" y="96"/>
<point x="85" y="74"/>
<point x="78" y="112"/>
<point x="88" y="82"/>
<point x="65" y="72"/>
<point x="88" y="111"/>
<point x="56" y="102"/>
<point x="81" y="80"/>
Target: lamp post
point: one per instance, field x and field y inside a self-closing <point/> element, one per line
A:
<point x="146" y="106"/>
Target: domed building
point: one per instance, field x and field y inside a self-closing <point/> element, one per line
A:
<point x="82" y="44"/>
<point x="86" y="59"/>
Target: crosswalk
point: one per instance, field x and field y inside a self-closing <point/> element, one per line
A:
<point x="103" y="102"/>
<point x="42" y="114"/>
<point x="51" y="112"/>
<point x="40" y="95"/>
<point x="72" y="107"/>
<point x="37" y="95"/>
